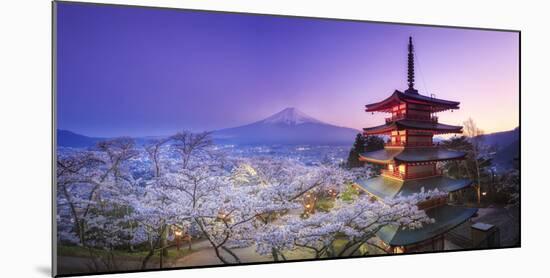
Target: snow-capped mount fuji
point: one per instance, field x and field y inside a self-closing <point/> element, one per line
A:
<point x="290" y="116"/>
<point x="287" y="127"/>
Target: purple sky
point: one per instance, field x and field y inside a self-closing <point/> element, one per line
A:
<point x="138" y="71"/>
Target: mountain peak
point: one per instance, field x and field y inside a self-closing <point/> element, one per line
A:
<point x="289" y="126"/>
<point x="290" y="116"/>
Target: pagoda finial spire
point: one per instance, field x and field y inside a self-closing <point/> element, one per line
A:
<point x="410" y="72"/>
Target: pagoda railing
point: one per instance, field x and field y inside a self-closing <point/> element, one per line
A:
<point x="409" y="144"/>
<point x="391" y="119"/>
<point x="419" y="144"/>
<point x="395" y="144"/>
<point x="395" y="174"/>
<point x="399" y="175"/>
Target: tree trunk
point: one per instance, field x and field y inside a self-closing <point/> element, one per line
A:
<point x="146" y="259"/>
<point x="217" y="251"/>
<point x="152" y="247"/>
<point x="164" y="242"/>
<point x="80" y="230"/>
<point x="232" y="254"/>
<point x="274" y="254"/>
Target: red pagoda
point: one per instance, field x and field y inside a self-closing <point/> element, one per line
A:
<point x="411" y="163"/>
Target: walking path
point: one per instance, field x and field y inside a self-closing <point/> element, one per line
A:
<point x="207" y="256"/>
<point x="204" y="254"/>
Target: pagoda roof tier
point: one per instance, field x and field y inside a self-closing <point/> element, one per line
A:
<point x="447" y="217"/>
<point x="409" y="155"/>
<point x="436" y="128"/>
<point x="386" y="187"/>
<point x="398" y="97"/>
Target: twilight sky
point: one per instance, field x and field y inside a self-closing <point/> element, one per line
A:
<point x="138" y="71"/>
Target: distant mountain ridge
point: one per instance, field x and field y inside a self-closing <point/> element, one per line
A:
<point x="501" y="139"/>
<point x="287" y="127"/>
<point x="291" y="126"/>
<point x="66" y="138"/>
<point x="507" y="144"/>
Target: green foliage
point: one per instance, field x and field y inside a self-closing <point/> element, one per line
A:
<point x="373" y="143"/>
<point x="358" y="146"/>
<point x="476" y="166"/>
<point x="324" y="204"/>
<point x="509" y="186"/>
<point x="466" y="168"/>
<point x="363" y="144"/>
<point x="350" y="194"/>
<point x="364" y="249"/>
<point x="338" y="244"/>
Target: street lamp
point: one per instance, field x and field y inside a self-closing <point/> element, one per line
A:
<point x="178" y="234"/>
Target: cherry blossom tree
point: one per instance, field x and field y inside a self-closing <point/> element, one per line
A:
<point x="93" y="185"/>
<point x="357" y="222"/>
<point x="120" y="195"/>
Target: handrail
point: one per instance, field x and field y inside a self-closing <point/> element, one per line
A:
<point x="409" y="144"/>
<point x="391" y="119"/>
<point x="387" y="172"/>
<point x="400" y="175"/>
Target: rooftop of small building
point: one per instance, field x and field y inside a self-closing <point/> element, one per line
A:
<point x="446" y="218"/>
